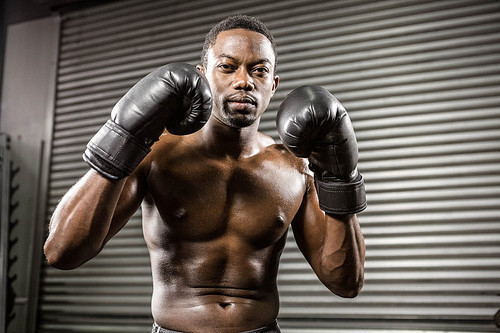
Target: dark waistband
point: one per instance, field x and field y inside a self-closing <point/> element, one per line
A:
<point x="272" y="328"/>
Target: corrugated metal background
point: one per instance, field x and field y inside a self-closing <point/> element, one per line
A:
<point x="421" y="82"/>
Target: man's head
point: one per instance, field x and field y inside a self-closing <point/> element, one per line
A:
<point x="237" y="22"/>
<point x="239" y="64"/>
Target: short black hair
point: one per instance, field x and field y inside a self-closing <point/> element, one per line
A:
<point x="237" y="22"/>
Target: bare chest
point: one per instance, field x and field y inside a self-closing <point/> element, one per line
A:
<point x="203" y="200"/>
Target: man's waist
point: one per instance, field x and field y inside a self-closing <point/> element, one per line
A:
<point x="201" y="309"/>
<point x="271" y="328"/>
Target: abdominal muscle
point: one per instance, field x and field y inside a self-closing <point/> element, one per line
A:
<point x="215" y="310"/>
<point x="214" y="290"/>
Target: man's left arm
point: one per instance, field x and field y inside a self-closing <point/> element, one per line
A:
<point x="313" y="124"/>
<point x="332" y="244"/>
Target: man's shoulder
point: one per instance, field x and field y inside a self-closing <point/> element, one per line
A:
<point x="169" y="147"/>
<point x="278" y="153"/>
<point x="170" y="143"/>
<point x="265" y="140"/>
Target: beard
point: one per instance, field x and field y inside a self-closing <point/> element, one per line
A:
<point x="236" y="115"/>
<point x="239" y="120"/>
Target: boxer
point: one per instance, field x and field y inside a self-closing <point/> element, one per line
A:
<point x="217" y="196"/>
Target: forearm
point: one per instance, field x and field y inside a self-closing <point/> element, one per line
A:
<point x="81" y="221"/>
<point x="342" y="257"/>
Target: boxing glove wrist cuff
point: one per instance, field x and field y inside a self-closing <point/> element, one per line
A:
<point x="114" y="152"/>
<point x="341" y="198"/>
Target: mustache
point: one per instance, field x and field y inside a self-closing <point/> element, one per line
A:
<point x="241" y="98"/>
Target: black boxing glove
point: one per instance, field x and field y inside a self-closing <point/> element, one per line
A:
<point x="312" y="123"/>
<point x="176" y="97"/>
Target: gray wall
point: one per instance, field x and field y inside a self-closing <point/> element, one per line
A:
<point x="26" y="116"/>
<point x="16" y="11"/>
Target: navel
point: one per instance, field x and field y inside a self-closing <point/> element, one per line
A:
<point x="224" y="305"/>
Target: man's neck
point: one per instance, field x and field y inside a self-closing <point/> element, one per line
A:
<point x="222" y="139"/>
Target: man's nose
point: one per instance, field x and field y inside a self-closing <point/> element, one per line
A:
<point x="243" y="80"/>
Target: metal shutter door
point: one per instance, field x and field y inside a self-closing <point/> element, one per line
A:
<point x="421" y="82"/>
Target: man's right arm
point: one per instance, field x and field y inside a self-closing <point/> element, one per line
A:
<point x="176" y="97"/>
<point x="88" y="215"/>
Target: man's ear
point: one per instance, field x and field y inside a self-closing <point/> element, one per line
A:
<point x="200" y="68"/>
<point x="276" y="84"/>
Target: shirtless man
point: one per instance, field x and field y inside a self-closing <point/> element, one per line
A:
<point x="217" y="201"/>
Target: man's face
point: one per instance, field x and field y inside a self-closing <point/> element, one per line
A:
<point x="240" y="71"/>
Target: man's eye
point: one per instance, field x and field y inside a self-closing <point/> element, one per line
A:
<point x="225" y="67"/>
<point x="261" y="70"/>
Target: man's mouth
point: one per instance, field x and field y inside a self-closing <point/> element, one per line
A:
<point x="242" y="99"/>
<point x="241" y="102"/>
